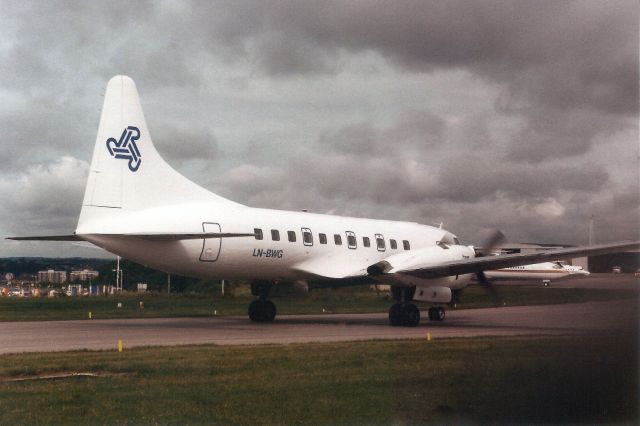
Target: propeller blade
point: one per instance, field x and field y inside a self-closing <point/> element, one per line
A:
<point x="491" y="242"/>
<point x="491" y="290"/>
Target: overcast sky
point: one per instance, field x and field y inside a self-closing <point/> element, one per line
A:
<point x="521" y="115"/>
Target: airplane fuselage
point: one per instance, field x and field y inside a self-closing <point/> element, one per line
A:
<point x="288" y="246"/>
<point x="538" y="271"/>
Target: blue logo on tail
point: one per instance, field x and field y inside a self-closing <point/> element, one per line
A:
<point x="126" y="147"/>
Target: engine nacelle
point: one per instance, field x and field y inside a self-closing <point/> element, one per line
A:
<point x="433" y="294"/>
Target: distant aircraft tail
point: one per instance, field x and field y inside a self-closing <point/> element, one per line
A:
<point x="127" y="173"/>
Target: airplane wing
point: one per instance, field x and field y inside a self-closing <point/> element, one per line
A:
<point x="476" y="265"/>
<point x="330" y="267"/>
<point x="158" y="236"/>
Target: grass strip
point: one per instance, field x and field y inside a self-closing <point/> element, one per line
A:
<point x="318" y="301"/>
<point x="574" y="379"/>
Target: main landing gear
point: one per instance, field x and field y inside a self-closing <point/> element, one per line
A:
<point x="406" y="314"/>
<point x="261" y="310"/>
<point x="403" y="313"/>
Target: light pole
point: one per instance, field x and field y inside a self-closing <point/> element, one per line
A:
<point x="118" y="272"/>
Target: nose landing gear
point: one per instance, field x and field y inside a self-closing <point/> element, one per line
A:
<point x="436" y="313"/>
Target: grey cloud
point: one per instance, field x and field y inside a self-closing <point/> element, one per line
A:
<point x="330" y="106"/>
<point x="473" y="178"/>
<point x="554" y="60"/>
<point x="412" y="131"/>
<point x="589" y="44"/>
<point x="36" y="196"/>
<point x="181" y="142"/>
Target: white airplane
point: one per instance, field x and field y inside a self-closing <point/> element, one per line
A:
<point x="545" y="271"/>
<point x="136" y="206"/>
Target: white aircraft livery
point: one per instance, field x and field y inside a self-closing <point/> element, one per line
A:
<point x="136" y="206"/>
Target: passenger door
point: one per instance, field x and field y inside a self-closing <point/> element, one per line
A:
<point x="210" y="246"/>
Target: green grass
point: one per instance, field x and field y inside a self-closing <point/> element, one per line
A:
<point x="349" y="300"/>
<point x="573" y="379"/>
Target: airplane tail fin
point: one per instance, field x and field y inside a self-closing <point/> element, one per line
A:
<point x="127" y="173"/>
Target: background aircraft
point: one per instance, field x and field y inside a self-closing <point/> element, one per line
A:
<point x="544" y="271"/>
<point x="137" y="206"/>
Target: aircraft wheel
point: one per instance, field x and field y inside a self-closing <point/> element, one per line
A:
<point x="411" y="315"/>
<point x="268" y="311"/>
<point x="436" y="313"/>
<point x="395" y="315"/>
<point x="262" y="311"/>
<point x="432" y="314"/>
<point x="254" y="311"/>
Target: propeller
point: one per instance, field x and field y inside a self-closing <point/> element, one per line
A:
<point x="494" y="238"/>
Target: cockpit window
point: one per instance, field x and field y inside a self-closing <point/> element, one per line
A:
<point x="449" y="238"/>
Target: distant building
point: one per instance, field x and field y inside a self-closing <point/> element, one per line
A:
<point x="83" y="276"/>
<point x="52" y="277"/>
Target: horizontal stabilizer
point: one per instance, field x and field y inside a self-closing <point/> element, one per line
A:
<point x="145" y="236"/>
<point x="183" y="236"/>
<point x="72" y="237"/>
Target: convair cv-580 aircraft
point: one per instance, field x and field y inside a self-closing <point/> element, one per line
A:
<point x="136" y="206"/>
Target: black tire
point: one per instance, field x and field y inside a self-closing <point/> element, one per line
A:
<point x="395" y="319"/>
<point x="255" y="310"/>
<point x="433" y="314"/>
<point x="268" y="311"/>
<point x="411" y="315"/>
<point x="440" y="313"/>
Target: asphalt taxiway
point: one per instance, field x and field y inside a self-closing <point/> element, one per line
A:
<point x="49" y="336"/>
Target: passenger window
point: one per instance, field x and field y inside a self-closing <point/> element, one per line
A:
<point x="275" y="235"/>
<point x="307" y="237"/>
<point x="380" y="242"/>
<point x="366" y="242"/>
<point x="406" y="245"/>
<point x="393" y="244"/>
<point x="351" y="240"/>
<point x="337" y="239"/>
<point x="292" y="236"/>
<point x="258" y="233"/>
<point x="322" y="238"/>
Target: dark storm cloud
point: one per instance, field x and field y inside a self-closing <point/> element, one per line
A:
<point x="560" y="62"/>
<point x="332" y="106"/>
<point x="571" y="52"/>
